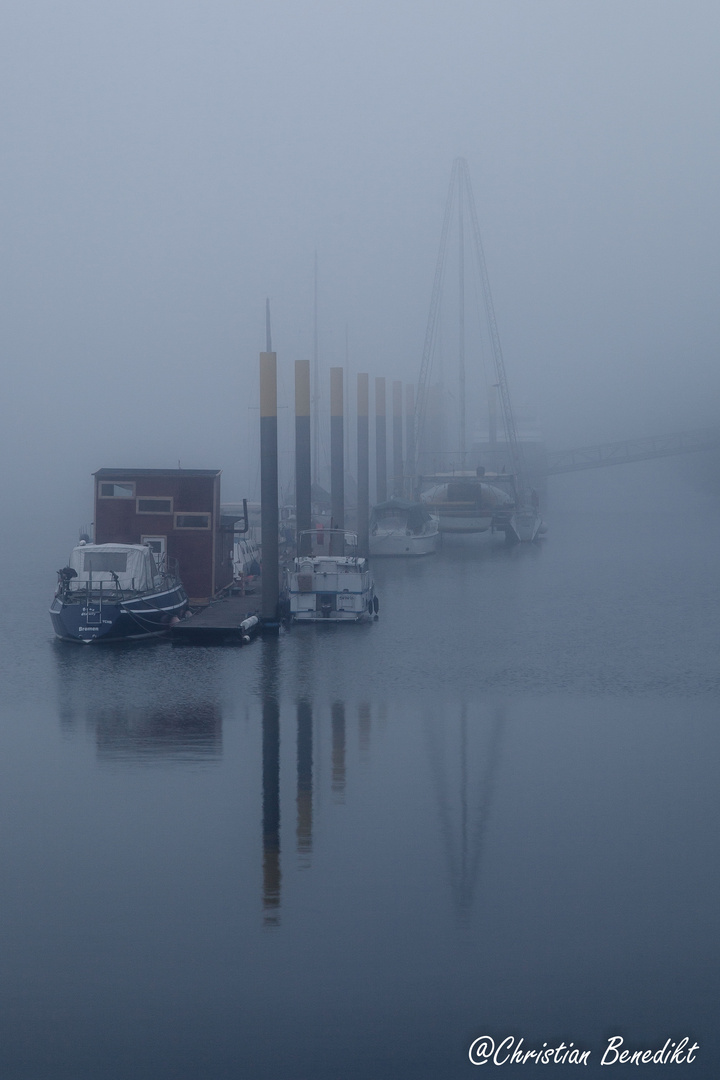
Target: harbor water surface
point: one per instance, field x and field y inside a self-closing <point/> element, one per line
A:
<point x="352" y="851"/>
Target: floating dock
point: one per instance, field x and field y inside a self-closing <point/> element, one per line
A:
<point x="231" y="620"/>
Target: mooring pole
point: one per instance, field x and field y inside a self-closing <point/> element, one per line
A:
<point x="302" y="457"/>
<point x="380" y="442"/>
<point x="269" y="517"/>
<point x="363" y="467"/>
<point x="337" y="462"/>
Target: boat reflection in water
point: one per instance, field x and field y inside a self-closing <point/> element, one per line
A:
<point x="189" y="733"/>
<point x="345" y="758"/>
<point x="464" y="760"/>
<point x="463" y="752"/>
<point x="99" y="690"/>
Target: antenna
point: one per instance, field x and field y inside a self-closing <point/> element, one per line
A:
<point x="268" y="335"/>
<point x="316" y="378"/>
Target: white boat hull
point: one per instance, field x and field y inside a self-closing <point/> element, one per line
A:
<point x="464" y="523"/>
<point x="397" y="542"/>
<point x="526" y="525"/>
<point x="327" y="589"/>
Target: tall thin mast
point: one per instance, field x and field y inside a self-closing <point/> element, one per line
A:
<point x="316" y="379"/>
<point x="423" y="385"/>
<point x="516" y="457"/>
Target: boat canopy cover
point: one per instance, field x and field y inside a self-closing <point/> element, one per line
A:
<point x="414" y="513"/>
<point x="132" y="564"/>
<point x="466" y="491"/>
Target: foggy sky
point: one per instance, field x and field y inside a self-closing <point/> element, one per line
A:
<point x="166" y="166"/>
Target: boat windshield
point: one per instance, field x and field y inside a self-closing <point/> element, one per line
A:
<point x="105" y="562"/>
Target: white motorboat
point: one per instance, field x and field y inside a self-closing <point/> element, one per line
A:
<point x="401" y="527"/>
<point x="328" y="588"/>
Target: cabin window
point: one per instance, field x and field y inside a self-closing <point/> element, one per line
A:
<point x="192" y="521"/>
<point x="113" y="490"/>
<point x="154" y="506"/>
<point x="105" y="562"/>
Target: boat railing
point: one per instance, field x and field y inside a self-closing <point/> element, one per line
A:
<point x="169" y="570"/>
<point x="70" y="586"/>
<point x="311" y="543"/>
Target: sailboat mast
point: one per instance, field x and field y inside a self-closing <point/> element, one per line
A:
<point x="423" y="385"/>
<point x="316" y="378"/>
<point x="516" y="457"/>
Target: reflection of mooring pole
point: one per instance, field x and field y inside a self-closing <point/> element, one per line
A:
<point x="380" y="442"/>
<point x="269" y="490"/>
<point x="363" y="468"/>
<point x="302" y="456"/>
<point x="338" y="748"/>
<point x="271" y="784"/>
<point x="337" y="462"/>
<point x="364" y="726"/>
<point x="304" y="776"/>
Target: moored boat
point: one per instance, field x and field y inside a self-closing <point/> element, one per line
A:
<point x="328" y="588"/>
<point x="465" y="503"/>
<point x="115" y="592"/>
<point x="401" y="527"/>
<point x="246" y="560"/>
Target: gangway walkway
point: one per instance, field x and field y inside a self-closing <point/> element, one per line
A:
<point x="622" y="453"/>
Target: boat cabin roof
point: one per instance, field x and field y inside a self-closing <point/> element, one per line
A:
<point x="320" y="562"/>
<point x="126" y="566"/>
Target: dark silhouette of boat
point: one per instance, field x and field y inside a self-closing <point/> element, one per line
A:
<point x="116" y="592"/>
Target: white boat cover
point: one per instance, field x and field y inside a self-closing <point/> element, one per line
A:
<point x="132" y="564"/>
<point x="466" y="491"/>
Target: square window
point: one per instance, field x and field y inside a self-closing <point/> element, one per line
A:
<point x="154" y="505"/>
<point x="113" y="490"/>
<point x="192" y="521"/>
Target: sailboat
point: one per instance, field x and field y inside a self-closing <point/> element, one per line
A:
<point x="405" y="528"/>
<point x="465" y="503"/>
<point x="516" y="511"/>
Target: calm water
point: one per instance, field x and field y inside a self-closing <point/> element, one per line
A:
<point x="353" y="851"/>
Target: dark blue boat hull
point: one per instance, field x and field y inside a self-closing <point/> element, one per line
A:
<point x="95" y="619"/>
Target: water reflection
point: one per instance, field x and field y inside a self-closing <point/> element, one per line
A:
<point x="464" y="765"/>
<point x="270" y="782"/>
<point x="177" y="733"/>
<point x="364" y="729"/>
<point x="338" y="750"/>
<point x="128" y="699"/>
<point x="304" y="780"/>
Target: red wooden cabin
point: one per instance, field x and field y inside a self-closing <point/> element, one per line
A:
<point x="177" y="513"/>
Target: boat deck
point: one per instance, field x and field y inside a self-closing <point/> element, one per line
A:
<point x="220" y="622"/>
